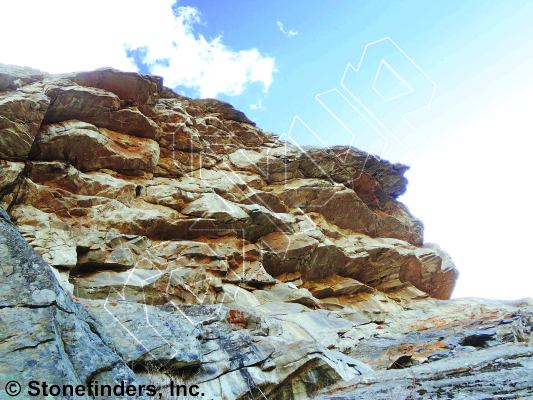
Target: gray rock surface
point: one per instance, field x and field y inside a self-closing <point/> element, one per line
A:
<point x="14" y="76"/>
<point x="44" y="335"/>
<point x="499" y="373"/>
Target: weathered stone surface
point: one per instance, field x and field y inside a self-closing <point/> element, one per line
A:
<point x="214" y="253"/>
<point x="78" y="102"/>
<point x="212" y="343"/>
<point x="211" y="205"/>
<point x="45" y="336"/>
<point x="343" y="208"/>
<point x="65" y="176"/>
<point x="88" y="148"/>
<point x="21" y="115"/>
<point x="130" y="122"/>
<point x="11" y="174"/>
<point x="129" y="86"/>
<point x="98" y="107"/>
<point x="336" y="286"/>
<point x="481" y="375"/>
<point x="468" y="348"/>
<point x="13" y="76"/>
<point x="56" y="246"/>
<point x="213" y="106"/>
<point x="384" y="264"/>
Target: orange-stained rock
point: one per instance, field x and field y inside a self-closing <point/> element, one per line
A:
<point x="213" y="106"/>
<point x="98" y="107"/>
<point x="115" y="160"/>
<point x="65" y="176"/>
<point x="256" y="257"/>
<point x="129" y="86"/>
<point x="88" y="148"/>
<point x="11" y="175"/>
<point x="77" y="102"/>
<point x="438" y="285"/>
<point x="289" y="276"/>
<point x="335" y="286"/>
<point x="129" y="122"/>
<point x="21" y="116"/>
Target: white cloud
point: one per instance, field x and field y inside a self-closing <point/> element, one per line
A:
<point x="288" y="33"/>
<point x="60" y="36"/>
<point x="258" y="106"/>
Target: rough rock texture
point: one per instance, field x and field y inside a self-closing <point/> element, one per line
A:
<point x="44" y="335"/>
<point x="207" y="251"/>
<point x="461" y="349"/>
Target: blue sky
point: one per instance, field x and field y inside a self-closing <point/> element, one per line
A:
<point x="467" y="48"/>
<point x="469" y="153"/>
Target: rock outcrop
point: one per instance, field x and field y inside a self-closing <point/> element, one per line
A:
<point x="44" y="334"/>
<point x="181" y="243"/>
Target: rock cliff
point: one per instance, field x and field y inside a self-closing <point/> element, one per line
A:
<point x="169" y="239"/>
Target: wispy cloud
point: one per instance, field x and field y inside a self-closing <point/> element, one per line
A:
<point x="172" y="48"/>
<point x="288" y="33"/>
<point x="258" y="106"/>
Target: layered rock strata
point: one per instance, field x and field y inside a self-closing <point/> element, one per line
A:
<point x="208" y="249"/>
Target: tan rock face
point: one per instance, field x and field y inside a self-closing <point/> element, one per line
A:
<point x="77" y="102"/>
<point x="125" y="187"/>
<point x="108" y="155"/>
<point x="14" y="76"/>
<point x="130" y="87"/>
<point x="22" y="115"/>
<point x="98" y="107"/>
<point x="336" y="286"/>
<point x="11" y="175"/>
<point x="88" y="148"/>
